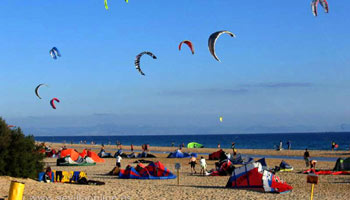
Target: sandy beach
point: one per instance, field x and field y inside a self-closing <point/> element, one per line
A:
<point x="191" y="186"/>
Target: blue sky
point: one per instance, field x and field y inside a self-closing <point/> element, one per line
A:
<point x="285" y="68"/>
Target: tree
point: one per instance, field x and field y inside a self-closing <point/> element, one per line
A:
<point x="19" y="155"/>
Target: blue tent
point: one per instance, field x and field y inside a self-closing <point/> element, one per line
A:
<point x="178" y="154"/>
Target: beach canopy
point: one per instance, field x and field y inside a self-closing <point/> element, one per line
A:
<point x="154" y="170"/>
<point x="342" y="164"/>
<point x="194" y="145"/>
<point x="219" y="155"/>
<point x="252" y="176"/>
<point x="178" y="154"/>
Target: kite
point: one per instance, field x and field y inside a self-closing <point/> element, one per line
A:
<point x="106" y="4"/>
<point x="37" y="89"/>
<point x="314" y="4"/>
<point x="212" y="40"/>
<point x="220" y="119"/>
<point x="138" y="57"/>
<point x="189" y="44"/>
<point x="54" y="53"/>
<point x="52" y="102"/>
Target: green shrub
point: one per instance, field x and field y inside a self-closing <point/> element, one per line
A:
<point x="19" y="155"/>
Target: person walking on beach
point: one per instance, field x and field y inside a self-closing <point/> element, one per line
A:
<point x="193" y="162"/>
<point x="203" y="166"/>
<point x="307" y="158"/>
<point x="132" y="148"/>
<point x="219" y="146"/>
<point x="289" y="144"/>
<point x="119" y="159"/>
<point x="172" y="144"/>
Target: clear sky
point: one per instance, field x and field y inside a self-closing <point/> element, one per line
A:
<point x="285" y="68"/>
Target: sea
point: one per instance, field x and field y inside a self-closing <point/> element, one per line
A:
<point x="299" y="141"/>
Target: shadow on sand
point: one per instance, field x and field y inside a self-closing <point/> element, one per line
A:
<point x="214" y="187"/>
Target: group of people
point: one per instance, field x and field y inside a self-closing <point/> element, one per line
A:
<point x="288" y="143"/>
<point x="202" y="162"/>
<point x="308" y="161"/>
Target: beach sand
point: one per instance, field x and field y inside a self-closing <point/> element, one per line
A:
<point x="191" y="186"/>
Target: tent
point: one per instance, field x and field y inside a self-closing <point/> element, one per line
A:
<point x="194" y="145"/>
<point x="178" y="154"/>
<point x="145" y="155"/>
<point x="285" y="167"/>
<point x="342" y="164"/>
<point x="219" y="155"/>
<point x="154" y="170"/>
<point x="252" y="176"/>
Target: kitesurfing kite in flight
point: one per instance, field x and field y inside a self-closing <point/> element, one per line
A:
<point x="54" y="53"/>
<point x="220" y="119"/>
<point x="37" y="89"/>
<point x="212" y="40"/>
<point x="189" y="44"/>
<point x="106" y="4"/>
<point x="52" y="102"/>
<point x="138" y="57"/>
<point x="315" y="3"/>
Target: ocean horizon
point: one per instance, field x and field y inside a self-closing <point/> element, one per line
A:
<point x="299" y="141"/>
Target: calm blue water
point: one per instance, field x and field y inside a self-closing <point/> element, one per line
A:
<point x="313" y="141"/>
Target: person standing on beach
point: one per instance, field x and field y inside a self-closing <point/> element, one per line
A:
<point x="333" y="145"/>
<point x="193" y="162"/>
<point x="234" y="151"/>
<point x="307" y="158"/>
<point x="289" y="144"/>
<point x="203" y="166"/>
<point x="172" y="144"/>
<point x="281" y="146"/>
<point x="219" y="146"/>
<point x="132" y="148"/>
<point x="119" y="159"/>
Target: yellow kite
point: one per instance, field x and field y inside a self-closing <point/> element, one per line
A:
<point x="106" y="4"/>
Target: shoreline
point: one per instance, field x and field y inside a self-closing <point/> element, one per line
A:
<point x="255" y="152"/>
